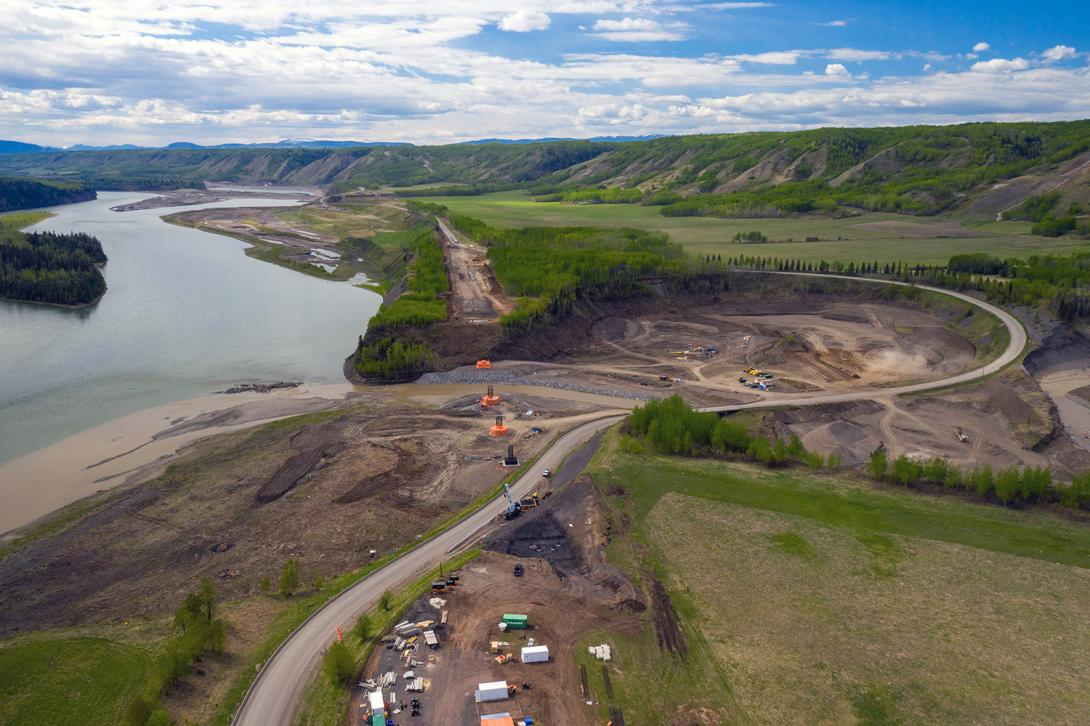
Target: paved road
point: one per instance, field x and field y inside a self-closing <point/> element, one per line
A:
<point x="275" y="696"/>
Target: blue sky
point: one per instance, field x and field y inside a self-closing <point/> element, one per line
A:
<point x="437" y="71"/>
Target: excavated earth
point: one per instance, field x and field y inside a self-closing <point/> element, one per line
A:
<point x="325" y="492"/>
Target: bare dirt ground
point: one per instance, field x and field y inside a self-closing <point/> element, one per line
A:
<point x="1005" y="421"/>
<point x="567" y="589"/>
<point x="703" y="351"/>
<point x="323" y="490"/>
<point x="188" y="197"/>
<point x="321" y="234"/>
<point x="478" y="297"/>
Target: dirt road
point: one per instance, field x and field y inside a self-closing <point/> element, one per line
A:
<point x="1014" y="349"/>
<point x="477" y="295"/>
<point x="276" y="693"/>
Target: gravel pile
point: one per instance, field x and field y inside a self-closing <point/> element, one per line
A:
<point x="484" y="377"/>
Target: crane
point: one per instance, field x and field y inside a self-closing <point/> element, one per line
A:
<point x="513" y="507"/>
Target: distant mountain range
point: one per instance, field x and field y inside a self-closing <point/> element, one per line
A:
<point x="18" y="147"/>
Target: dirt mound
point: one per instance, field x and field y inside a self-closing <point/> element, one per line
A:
<point x="613" y="328"/>
<point x="569" y="531"/>
<point x="407" y="463"/>
<point x="292" y="471"/>
<point x="850" y="441"/>
<point x="1064" y="349"/>
<point x="667" y="624"/>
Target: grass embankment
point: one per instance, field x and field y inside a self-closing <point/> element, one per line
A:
<point x="13" y="221"/>
<point x="52" y="679"/>
<point x="808" y="597"/>
<point x="870" y="237"/>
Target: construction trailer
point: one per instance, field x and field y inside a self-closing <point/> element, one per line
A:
<point x="535" y="654"/>
<point x="516" y="622"/>
<point x="492" y="691"/>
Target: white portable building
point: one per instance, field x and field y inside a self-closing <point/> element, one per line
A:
<point x="535" y="654"/>
<point x="494" y="691"/>
<point x="375" y="699"/>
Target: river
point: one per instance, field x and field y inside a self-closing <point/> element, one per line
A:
<point x="186" y="313"/>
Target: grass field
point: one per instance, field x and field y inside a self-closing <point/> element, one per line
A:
<point x="19" y="220"/>
<point x="67" y="680"/>
<point x="349" y="219"/>
<point x="878" y="237"/>
<point x="822" y="599"/>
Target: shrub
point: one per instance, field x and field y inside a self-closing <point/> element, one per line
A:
<point x="363" y="627"/>
<point x="1077" y="496"/>
<point x="289" y="577"/>
<point x="877" y="465"/>
<point x="339" y="664"/>
<point x="751" y="238"/>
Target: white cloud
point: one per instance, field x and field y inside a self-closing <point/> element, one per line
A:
<point x="1001" y="65"/>
<point x="854" y="54"/>
<point x="112" y="71"/>
<point x="1059" y="53"/>
<point x="981" y="47"/>
<point x="523" y="21"/>
<point x="639" y="30"/>
<point x="833" y="24"/>
<point x="776" y="58"/>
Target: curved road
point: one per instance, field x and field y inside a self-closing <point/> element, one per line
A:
<point x="275" y="695"/>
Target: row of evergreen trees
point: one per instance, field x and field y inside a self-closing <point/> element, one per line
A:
<point x="61" y="269"/>
<point x="31" y="193"/>
<point x="1059" y="282"/>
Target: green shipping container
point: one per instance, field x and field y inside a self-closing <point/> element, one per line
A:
<point x="378" y="720"/>
<point x="511" y="618"/>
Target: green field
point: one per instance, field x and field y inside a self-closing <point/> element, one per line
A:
<point x="13" y="221"/>
<point x="57" y="680"/>
<point x="809" y="598"/>
<point x="897" y="238"/>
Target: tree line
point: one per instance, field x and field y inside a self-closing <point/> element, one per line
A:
<point x="671" y="426"/>
<point x="1009" y="486"/>
<point x="1059" y="282"/>
<point x="197" y="631"/>
<point x="31" y="193"/>
<point x="426" y="281"/>
<point x="60" y="269"/>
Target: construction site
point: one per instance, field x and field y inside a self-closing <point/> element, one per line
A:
<point x="495" y="642"/>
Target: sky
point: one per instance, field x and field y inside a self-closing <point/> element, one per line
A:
<point x="441" y="71"/>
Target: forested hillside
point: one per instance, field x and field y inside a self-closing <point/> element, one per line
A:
<point x="981" y="169"/>
<point x="30" y="193"/>
<point x="61" y="269"/>
<point x="342" y="168"/>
